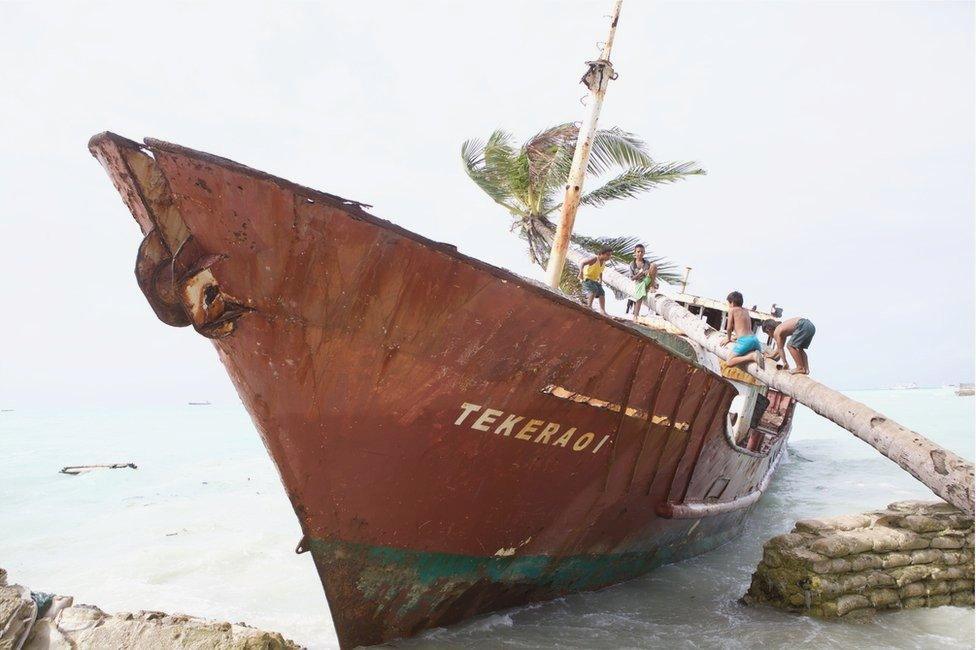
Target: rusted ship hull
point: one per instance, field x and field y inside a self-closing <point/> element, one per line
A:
<point x="454" y="439"/>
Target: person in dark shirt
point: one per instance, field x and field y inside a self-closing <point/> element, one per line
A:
<point x="644" y="273"/>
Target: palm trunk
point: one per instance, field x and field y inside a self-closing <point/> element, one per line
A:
<point x="943" y="472"/>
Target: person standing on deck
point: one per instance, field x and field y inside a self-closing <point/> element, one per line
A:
<point x="800" y="331"/>
<point x="591" y="274"/>
<point x="747" y="347"/>
<point x="644" y="273"/>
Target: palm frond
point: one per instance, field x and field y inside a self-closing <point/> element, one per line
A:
<point x="636" y="180"/>
<point x="519" y="179"/>
<point x="499" y="150"/>
<point x="554" y="182"/>
<point x="570" y="283"/>
<point x="622" y="247"/>
<point x="666" y="269"/>
<point x="615" y="147"/>
<point x="491" y="177"/>
<point x="623" y="252"/>
<point x="547" y="151"/>
<point x="543" y="147"/>
<point x="558" y="135"/>
<point x="611" y="148"/>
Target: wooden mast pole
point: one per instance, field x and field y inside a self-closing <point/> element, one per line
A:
<point x="596" y="79"/>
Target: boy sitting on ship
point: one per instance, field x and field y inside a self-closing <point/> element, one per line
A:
<point x="747" y="347"/>
<point x="591" y="273"/>
<point x="800" y="331"/>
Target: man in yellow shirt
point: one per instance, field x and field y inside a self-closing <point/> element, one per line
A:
<point x="591" y="273"/>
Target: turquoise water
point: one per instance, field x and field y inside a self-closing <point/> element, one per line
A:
<point x="204" y="527"/>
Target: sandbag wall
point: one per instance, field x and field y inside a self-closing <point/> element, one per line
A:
<point x="913" y="554"/>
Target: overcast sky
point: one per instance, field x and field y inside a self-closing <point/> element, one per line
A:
<point x="838" y="139"/>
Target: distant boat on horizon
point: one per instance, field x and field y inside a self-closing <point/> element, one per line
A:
<point x="199" y="403"/>
<point x="909" y="386"/>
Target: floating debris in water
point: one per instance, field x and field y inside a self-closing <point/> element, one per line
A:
<point x="74" y="470"/>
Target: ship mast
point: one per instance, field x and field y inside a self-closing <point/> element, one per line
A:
<point x="596" y="79"/>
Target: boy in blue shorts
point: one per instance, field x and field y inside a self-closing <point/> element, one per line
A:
<point x="746" y="347"/>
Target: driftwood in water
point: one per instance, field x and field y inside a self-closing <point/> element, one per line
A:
<point x="74" y="470"/>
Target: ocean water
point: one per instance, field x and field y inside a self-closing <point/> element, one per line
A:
<point x="203" y="527"/>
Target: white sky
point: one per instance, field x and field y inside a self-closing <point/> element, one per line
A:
<point x="839" y="140"/>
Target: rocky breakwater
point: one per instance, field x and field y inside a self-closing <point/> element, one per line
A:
<point x="913" y="554"/>
<point x="37" y="621"/>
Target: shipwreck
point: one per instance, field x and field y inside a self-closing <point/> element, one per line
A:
<point x="454" y="438"/>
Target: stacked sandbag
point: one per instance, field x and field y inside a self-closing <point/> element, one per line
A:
<point x="913" y="554"/>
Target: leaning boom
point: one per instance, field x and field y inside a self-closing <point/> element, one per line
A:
<point x="943" y="472"/>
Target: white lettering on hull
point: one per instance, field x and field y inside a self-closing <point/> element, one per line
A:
<point x="542" y="432"/>
<point x="534" y="430"/>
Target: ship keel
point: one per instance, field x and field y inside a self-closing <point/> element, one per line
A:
<point x="379" y="593"/>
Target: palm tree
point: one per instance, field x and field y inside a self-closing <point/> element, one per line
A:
<point x="529" y="182"/>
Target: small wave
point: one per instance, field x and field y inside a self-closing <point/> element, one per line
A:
<point x="492" y="622"/>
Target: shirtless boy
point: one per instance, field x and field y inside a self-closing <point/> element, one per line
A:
<point x="747" y="347"/>
<point x="800" y="331"/>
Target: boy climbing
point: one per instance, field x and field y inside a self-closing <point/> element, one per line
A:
<point x="800" y="331"/>
<point x="747" y="347"/>
<point x="591" y="273"/>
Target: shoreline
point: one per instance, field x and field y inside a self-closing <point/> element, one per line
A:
<point x="32" y="620"/>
